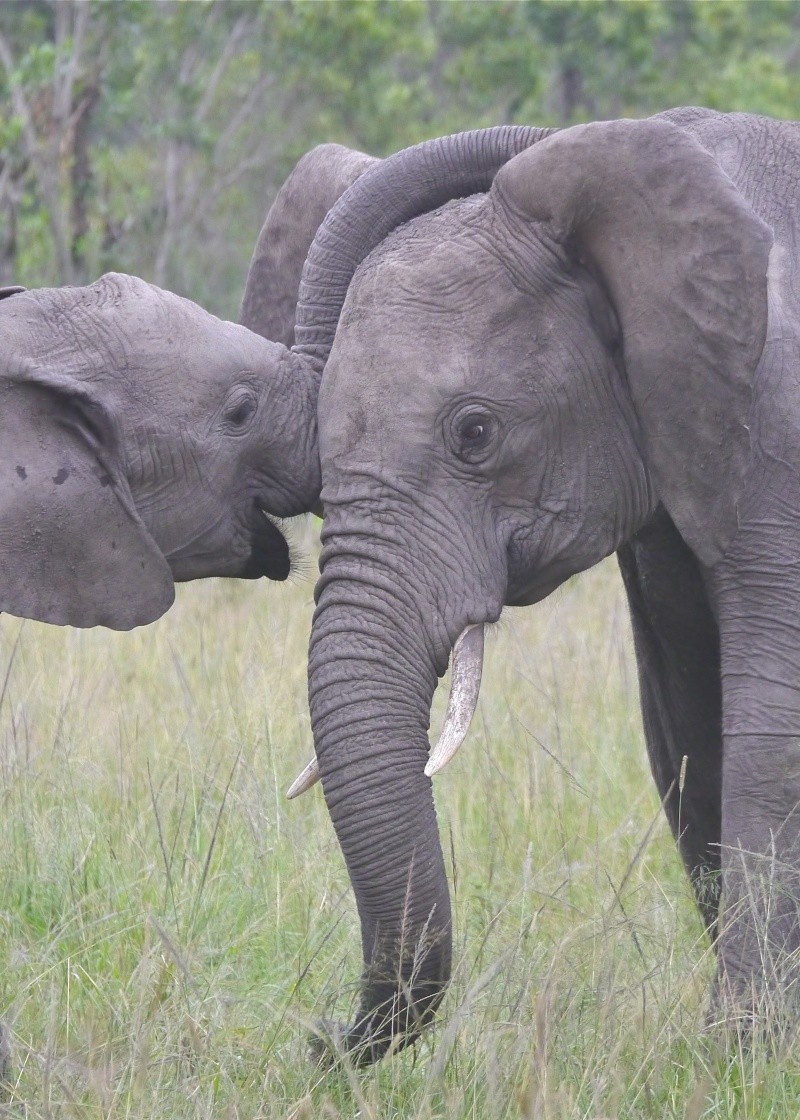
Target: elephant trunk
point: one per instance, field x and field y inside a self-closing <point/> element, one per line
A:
<point x="371" y="682"/>
<point x="407" y="184"/>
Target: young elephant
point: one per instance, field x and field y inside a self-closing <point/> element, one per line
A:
<point x="601" y="354"/>
<point x="132" y="429"/>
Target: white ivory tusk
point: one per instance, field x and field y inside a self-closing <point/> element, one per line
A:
<point x="465" y="686"/>
<point x="304" y="781"/>
<point x="467" y="666"/>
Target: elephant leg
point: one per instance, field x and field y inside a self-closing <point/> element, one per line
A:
<point x="676" y="639"/>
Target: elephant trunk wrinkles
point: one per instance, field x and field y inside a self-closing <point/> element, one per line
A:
<point x="370" y="729"/>
<point x="409" y="183"/>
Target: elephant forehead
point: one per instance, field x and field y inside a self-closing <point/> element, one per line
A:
<point x="148" y="317"/>
<point x="142" y="344"/>
<point x="395" y="368"/>
<point x="414" y="310"/>
<point x="428" y="315"/>
<point x="164" y="333"/>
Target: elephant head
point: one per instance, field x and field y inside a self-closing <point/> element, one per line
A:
<point x="122" y="475"/>
<point x="132" y="422"/>
<point x="517" y="381"/>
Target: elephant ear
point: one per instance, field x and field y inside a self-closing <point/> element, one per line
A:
<point x="300" y="207"/>
<point x="73" y="549"/>
<point x="684" y="259"/>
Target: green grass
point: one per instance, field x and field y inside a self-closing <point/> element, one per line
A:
<point x="171" y="926"/>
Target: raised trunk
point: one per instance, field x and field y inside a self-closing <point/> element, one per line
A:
<point x="402" y="187"/>
<point x="409" y="183"/>
<point x="371" y="682"/>
<point x="273" y="279"/>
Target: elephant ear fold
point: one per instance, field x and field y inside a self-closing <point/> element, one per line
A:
<point x="273" y="280"/>
<point x="684" y="259"/>
<point x="73" y="549"/>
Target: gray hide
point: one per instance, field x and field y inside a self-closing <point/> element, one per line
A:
<point x="132" y="423"/>
<point x="318" y="180"/>
<point x="602" y="354"/>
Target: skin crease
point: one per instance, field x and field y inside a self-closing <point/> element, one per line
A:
<point x="515" y="312"/>
<point x="133" y="431"/>
<point x="517" y="534"/>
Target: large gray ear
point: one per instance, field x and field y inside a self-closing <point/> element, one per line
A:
<point x="273" y="280"/>
<point x="73" y="549"/>
<point x="684" y="259"/>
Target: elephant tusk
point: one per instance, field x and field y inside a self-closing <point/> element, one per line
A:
<point x="467" y="666"/>
<point x="305" y="780"/>
<point x="465" y="686"/>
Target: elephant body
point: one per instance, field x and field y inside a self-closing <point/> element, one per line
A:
<point x="600" y="355"/>
<point x="132" y="427"/>
<point x="694" y="624"/>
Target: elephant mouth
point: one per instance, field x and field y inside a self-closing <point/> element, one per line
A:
<point x="270" y="550"/>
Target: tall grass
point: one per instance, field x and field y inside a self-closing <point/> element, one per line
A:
<point x="171" y="927"/>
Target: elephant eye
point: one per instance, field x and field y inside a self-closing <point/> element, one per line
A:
<point x="240" y="411"/>
<point x="474" y="432"/>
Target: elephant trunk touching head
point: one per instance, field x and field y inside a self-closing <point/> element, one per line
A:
<point x="383" y="195"/>
<point x="317" y="182"/>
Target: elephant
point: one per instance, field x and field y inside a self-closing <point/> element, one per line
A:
<point x="597" y="352"/>
<point x="132" y="427"/>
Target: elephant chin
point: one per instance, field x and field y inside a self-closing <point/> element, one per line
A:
<point x="270" y="552"/>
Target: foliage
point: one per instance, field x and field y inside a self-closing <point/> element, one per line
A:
<point x="150" y="137"/>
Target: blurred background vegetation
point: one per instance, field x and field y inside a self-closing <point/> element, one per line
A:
<point x="151" y="137"/>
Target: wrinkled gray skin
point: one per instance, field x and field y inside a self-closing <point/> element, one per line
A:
<point x="383" y="196"/>
<point x="132" y="426"/>
<point x="317" y="182"/>
<point x="602" y="354"/>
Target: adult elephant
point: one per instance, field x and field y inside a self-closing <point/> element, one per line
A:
<point x="131" y="431"/>
<point x="601" y="354"/>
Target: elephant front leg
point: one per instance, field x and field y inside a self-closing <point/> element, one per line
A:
<point x="760" y="933"/>
<point x="760" y="643"/>
<point x="677" y="651"/>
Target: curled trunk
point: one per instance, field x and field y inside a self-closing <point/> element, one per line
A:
<point x="393" y="191"/>
<point x="273" y="279"/>
<point x="409" y="183"/>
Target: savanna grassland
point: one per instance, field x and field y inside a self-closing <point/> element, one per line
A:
<point x="171" y="926"/>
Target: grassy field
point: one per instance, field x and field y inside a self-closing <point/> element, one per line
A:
<point x="171" y="926"/>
